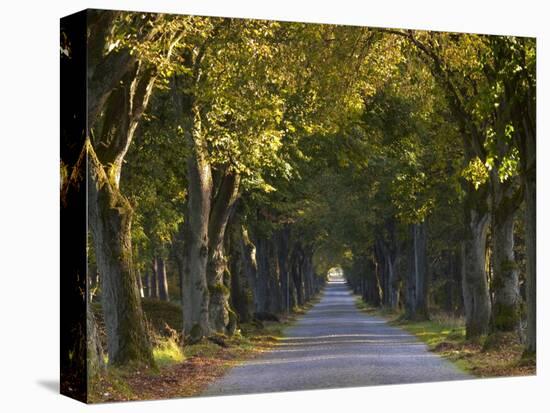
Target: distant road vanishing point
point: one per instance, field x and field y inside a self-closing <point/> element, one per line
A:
<point x="336" y="345"/>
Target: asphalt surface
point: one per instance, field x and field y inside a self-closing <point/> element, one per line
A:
<point x="336" y="345"/>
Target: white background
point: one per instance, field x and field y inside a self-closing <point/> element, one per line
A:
<point x="29" y="182"/>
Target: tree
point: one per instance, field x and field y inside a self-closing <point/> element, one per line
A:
<point x="120" y="85"/>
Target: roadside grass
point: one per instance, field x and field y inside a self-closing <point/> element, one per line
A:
<point x="498" y="355"/>
<point x="186" y="370"/>
<point x="168" y="352"/>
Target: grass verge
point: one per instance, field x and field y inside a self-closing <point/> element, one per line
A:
<point x="498" y="355"/>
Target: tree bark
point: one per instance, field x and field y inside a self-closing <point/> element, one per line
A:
<point x="192" y="243"/>
<point x="94" y="350"/>
<point x="281" y="242"/>
<point x="388" y="256"/>
<point x="527" y="144"/>
<point x="154" y="279"/>
<point x="242" y="265"/>
<point x="531" y="247"/>
<point x="140" y="284"/>
<point x="110" y="217"/>
<point x="195" y="297"/>
<point x="274" y="302"/>
<point x="162" y="280"/>
<point x="220" y="314"/>
<point x="308" y="273"/>
<point x="371" y="291"/>
<point x="417" y="279"/>
<point x="297" y="276"/>
<point x="506" y="308"/>
<point x="250" y="266"/>
<point x="477" y="306"/>
<point x="147" y="284"/>
<point x="262" y="274"/>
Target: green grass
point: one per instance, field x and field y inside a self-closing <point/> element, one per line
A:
<point x="433" y="333"/>
<point x="439" y="329"/>
<point x="168" y="352"/>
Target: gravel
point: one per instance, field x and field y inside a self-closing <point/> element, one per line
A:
<point x="336" y="345"/>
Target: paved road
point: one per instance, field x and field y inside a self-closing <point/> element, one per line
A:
<point x="336" y="345"/>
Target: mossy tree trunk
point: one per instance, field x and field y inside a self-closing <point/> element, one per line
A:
<point x="195" y="296"/>
<point x="241" y="264"/>
<point x="475" y="290"/>
<point x="110" y="216"/>
<point x="220" y="314"/>
<point x="95" y="356"/>
<point x="506" y="305"/>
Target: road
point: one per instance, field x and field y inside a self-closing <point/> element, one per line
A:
<point x="336" y="345"/>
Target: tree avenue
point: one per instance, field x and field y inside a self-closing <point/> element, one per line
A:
<point x="232" y="163"/>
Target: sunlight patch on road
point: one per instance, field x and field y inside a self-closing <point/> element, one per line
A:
<point x="338" y="357"/>
<point x="342" y="336"/>
<point x="333" y="342"/>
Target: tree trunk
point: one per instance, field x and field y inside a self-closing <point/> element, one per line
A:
<point x="162" y="280"/>
<point x="281" y="242"/>
<point x="250" y="267"/>
<point x="274" y="297"/>
<point x="371" y="294"/>
<point x="393" y="283"/>
<point x="387" y="253"/>
<point x="506" y="309"/>
<point x="522" y="91"/>
<point x="262" y="275"/>
<point x="94" y="350"/>
<point x="527" y="133"/>
<point x="147" y="283"/>
<point x="109" y="216"/>
<point x="140" y="284"/>
<point x="531" y="247"/>
<point x="417" y="285"/>
<point x="220" y="314"/>
<point x="475" y="290"/>
<point x="195" y="297"/>
<point x="389" y="278"/>
<point x="154" y="279"/>
<point x="296" y="271"/>
<point x="453" y="301"/>
<point x="308" y="274"/>
<point x="241" y="264"/>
